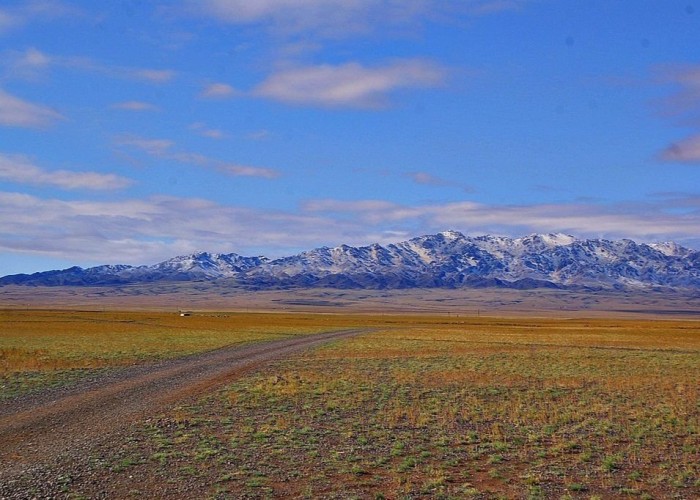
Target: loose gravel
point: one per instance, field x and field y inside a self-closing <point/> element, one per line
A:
<point x="46" y="438"/>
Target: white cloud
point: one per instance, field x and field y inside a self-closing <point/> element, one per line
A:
<point x="258" y="135"/>
<point x="246" y="171"/>
<point x="427" y="179"/>
<point x="18" y="168"/>
<point x="135" y="106"/>
<point x="687" y="76"/>
<point x="645" y="222"/>
<point x="212" y="133"/>
<point x="149" y="75"/>
<point x="218" y="91"/>
<point x="326" y="17"/>
<point x="153" y="147"/>
<point x="349" y="85"/>
<point x="140" y="231"/>
<point x="33" y="57"/>
<point x="163" y="148"/>
<point x="685" y="99"/>
<point x="353" y="207"/>
<point x="684" y="151"/>
<point x="30" y="63"/>
<point x="23" y="13"/>
<point x="15" y="112"/>
<point x="340" y="18"/>
<point x="203" y="130"/>
<point x="683" y="105"/>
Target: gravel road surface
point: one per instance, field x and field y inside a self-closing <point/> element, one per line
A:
<point x="48" y="436"/>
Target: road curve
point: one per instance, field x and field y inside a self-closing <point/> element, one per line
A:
<point x="36" y="432"/>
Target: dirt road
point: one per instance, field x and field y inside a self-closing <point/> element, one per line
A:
<point x="42" y="434"/>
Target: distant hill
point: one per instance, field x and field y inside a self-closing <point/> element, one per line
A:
<point x="444" y="260"/>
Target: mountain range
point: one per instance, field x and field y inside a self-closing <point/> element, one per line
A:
<point x="444" y="260"/>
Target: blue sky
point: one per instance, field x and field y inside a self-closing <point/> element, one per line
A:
<point x="134" y="131"/>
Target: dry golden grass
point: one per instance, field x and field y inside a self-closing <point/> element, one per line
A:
<point x="457" y="407"/>
<point x="439" y="406"/>
<point x="45" y="340"/>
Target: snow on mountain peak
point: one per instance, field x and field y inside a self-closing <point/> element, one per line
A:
<point x="558" y="239"/>
<point x="670" y="249"/>
<point x="446" y="259"/>
<point x="546" y="240"/>
<point x="451" y="234"/>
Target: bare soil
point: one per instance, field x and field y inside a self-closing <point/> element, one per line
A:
<point x="46" y="439"/>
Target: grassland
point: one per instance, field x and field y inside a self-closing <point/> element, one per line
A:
<point x="55" y="347"/>
<point x="445" y="407"/>
<point x="222" y="296"/>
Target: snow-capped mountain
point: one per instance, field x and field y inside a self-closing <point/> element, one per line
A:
<point x="447" y="259"/>
<point x="197" y="266"/>
<point x="205" y="265"/>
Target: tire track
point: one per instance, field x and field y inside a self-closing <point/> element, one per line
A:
<point x="36" y="433"/>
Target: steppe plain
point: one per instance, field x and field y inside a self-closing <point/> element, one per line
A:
<point x="425" y="393"/>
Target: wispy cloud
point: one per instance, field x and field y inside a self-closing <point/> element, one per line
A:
<point x="331" y="18"/>
<point x="7" y="21"/>
<point x="684" y="100"/>
<point x="31" y="63"/>
<point x="148" y="75"/>
<point x="165" y="149"/>
<point x="259" y="135"/>
<point x="351" y="84"/>
<point x="20" y="169"/>
<point x="660" y="220"/>
<point x="341" y="18"/>
<point x="682" y="105"/>
<point x="204" y="131"/>
<point x="135" y="106"/>
<point x="428" y="179"/>
<point x="684" y="151"/>
<point x="218" y="91"/>
<point x="147" y="230"/>
<point x="483" y="7"/>
<point x="28" y="64"/>
<point x="247" y="171"/>
<point x="153" y="147"/>
<point x="17" y="16"/>
<point x="16" y="112"/>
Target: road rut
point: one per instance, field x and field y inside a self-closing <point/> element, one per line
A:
<point x="49" y="430"/>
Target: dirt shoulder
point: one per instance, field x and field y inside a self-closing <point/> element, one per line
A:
<point x="45" y="434"/>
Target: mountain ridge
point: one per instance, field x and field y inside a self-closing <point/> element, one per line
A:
<point x="448" y="259"/>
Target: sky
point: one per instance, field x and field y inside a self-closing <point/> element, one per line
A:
<point x="134" y="131"/>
